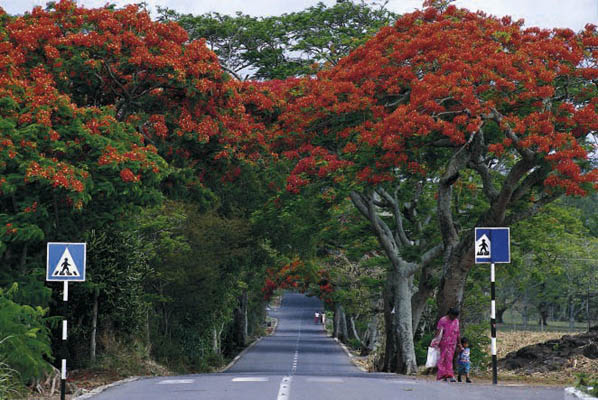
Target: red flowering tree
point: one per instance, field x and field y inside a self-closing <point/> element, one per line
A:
<point x="171" y="90"/>
<point x="62" y="166"/>
<point x="491" y="119"/>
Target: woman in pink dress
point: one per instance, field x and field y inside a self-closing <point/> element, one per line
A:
<point x="449" y="324"/>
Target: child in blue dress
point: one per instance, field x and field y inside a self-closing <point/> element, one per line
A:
<point x="463" y="361"/>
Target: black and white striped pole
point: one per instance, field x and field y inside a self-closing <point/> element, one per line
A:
<point x="65" y="263"/>
<point x="493" y="324"/>
<point x="64" y="349"/>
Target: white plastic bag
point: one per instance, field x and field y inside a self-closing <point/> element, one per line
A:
<point x="433" y="356"/>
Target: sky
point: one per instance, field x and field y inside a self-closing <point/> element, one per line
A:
<point x="572" y="14"/>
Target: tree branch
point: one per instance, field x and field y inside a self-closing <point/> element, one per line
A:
<point x="400" y="235"/>
<point x="533" y="210"/>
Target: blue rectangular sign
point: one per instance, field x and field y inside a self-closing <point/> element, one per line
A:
<point x="492" y="245"/>
<point x="66" y="262"/>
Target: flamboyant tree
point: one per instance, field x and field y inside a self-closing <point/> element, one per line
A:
<point x="57" y="158"/>
<point x="490" y="118"/>
<point x="172" y="90"/>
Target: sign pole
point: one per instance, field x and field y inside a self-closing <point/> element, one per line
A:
<point x="65" y="262"/>
<point x="493" y="324"/>
<point x="492" y="245"/>
<point x="65" y="299"/>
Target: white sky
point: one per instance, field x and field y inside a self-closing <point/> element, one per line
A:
<point x="545" y="13"/>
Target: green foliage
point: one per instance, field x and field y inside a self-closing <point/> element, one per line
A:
<point x="292" y="44"/>
<point x="25" y="345"/>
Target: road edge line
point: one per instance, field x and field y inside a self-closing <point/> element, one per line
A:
<point x="238" y="356"/>
<point x="100" y="389"/>
<point x="245" y="350"/>
<point x="351" y="357"/>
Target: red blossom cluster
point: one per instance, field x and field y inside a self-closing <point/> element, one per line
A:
<point x="128" y="176"/>
<point x="297" y="275"/>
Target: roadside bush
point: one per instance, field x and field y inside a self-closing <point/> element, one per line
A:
<point x="26" y="344"/>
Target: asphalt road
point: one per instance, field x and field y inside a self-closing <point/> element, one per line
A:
<point x="299" y="362"/>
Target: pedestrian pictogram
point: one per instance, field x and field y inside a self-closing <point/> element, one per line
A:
<point x="66" y="262"/>
<point x="482" y="247"/>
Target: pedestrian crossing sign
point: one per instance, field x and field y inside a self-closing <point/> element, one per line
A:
<point x="66" y="262"/>
<point x="492" y="245"/>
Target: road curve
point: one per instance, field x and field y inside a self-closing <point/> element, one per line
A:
<point x="299" y="362"/>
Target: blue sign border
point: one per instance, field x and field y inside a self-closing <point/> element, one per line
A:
<point x="75" y="249"/>
<point x="500" y="251"/>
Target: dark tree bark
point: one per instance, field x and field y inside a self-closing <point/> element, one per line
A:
<point x="500" y="314"/>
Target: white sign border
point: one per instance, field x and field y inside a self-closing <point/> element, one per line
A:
<point x="83" y="276"/>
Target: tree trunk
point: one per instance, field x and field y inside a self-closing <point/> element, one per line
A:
<point x="499" y="315"/>
<point x="420" y="298"/>
<point x="406" y="364"/>
<point x="94" y="327"/>
<point x="370" y="336"/>
<point x="571" y="313"/>
<point x="148" y="341"/>
<point x="24" y="258"/>
<point x="543" y="310"/>
<point x="240" y="321"/>
<point x="354" y="333"/>
<point x="524" y="313"/>
<point x="340" y="324"/>
<point x="452" y="283"/>
<point x="215" y="341"/>
<point x="388" y="362"/>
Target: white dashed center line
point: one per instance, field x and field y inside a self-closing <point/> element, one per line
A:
<point x="251" y="379"/>
<point x="285" y="386"/>
<point x="325" y="380"/>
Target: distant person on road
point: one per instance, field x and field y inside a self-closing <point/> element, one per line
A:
<point x="316" y="317"/>
<point x="323" y="318"/>
<point x="464" y="361"/>
<point x="446" y="339"/>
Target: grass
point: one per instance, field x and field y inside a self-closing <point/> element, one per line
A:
<point x="10" y="388"/>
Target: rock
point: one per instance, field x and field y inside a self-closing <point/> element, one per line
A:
<point x="553" y="354"/>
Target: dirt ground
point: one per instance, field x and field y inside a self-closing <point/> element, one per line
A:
<point x="547" y="357"/>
